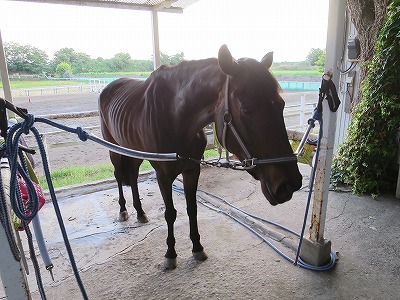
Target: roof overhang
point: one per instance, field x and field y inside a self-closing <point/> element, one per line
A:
<point x="172" y="6"/>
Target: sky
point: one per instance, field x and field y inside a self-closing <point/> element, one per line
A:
<point x="250" y="28"/>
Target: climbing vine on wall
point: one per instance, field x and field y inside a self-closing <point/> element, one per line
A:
<point x="366" y="158"/>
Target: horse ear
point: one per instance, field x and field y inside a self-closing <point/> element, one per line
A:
<point x="267" y="59"/>
<point x="226" y="62"/>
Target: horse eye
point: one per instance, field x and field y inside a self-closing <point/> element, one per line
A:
<point x="247" y="110"/>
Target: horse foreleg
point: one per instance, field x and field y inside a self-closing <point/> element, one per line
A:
<point x="116" y="160"/>
<point x="123" y="213"/>
<point x="190" y="183"/>
<point x="141" y="215"/>
<point x="165" y="185"/>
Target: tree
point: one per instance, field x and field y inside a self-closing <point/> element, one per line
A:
<point x="64" y="70"/>
<point x="82" y="63"/>
<point x="365" y="158"/>
<point x="173" y="59"/>
<point x="121" y="61"/>
<point x="79" y="62"/>
<point x="314" y="55"/>
<point x="64" y="55"/>
<point x="320" y="63"/>
<point x="25" y="58"/>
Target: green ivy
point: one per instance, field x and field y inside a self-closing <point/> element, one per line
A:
<point x="366" y="157"/>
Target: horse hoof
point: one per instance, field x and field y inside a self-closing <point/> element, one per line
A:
<point x="170" y="263"/>
<point x="142" y="219"/>
<point x="200" y="256"/>
<point x="123" y="216"/>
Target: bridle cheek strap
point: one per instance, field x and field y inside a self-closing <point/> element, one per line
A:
<point x="250" y="161"/>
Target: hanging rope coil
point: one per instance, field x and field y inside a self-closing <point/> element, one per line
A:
<point x="4" y="215"/>
<point x="29" y="211"/>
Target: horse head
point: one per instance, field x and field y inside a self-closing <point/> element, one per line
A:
<point x="251" y="106"/>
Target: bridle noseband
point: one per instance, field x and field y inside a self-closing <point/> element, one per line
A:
<point x="250" y="162"/>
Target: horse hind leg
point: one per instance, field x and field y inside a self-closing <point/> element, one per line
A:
<point x="126" y="171"/>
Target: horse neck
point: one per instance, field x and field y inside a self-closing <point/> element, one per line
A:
<point x="198" y="88"/>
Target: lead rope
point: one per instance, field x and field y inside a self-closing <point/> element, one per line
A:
<point x="311" y="122"/>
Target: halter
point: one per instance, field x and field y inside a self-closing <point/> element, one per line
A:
<point x="250" y="161"/>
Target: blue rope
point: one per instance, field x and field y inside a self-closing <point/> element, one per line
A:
<point x="5" y="222"/>
<point x="317" y="116"/>
<point x="34" y="260"/>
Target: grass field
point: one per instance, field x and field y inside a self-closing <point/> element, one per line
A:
<point x="26" y="84"/>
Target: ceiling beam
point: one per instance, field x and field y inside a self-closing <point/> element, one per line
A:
<point x="163" y="7"/>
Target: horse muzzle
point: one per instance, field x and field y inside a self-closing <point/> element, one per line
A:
<point x="282" y="192"/>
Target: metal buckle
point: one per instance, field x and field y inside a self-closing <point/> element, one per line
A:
<point x="228" y="118"/>
<point x="249" y="163"/>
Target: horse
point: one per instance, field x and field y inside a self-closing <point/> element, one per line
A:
<point x="167" y="113"/>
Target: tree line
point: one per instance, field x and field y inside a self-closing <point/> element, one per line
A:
<point x="66" y="62"/>
<point x="27" y="59"/>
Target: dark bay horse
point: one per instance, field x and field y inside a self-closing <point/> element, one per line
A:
<point x="167" y="113"/>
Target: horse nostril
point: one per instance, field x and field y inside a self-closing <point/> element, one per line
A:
<point x="285" y="192"/>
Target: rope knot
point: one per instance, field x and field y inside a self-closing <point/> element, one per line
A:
<point x="82" y="134"/>
<point x="28" y="123"/>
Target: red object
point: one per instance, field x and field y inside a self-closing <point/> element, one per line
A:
<point x="25" y="195"/>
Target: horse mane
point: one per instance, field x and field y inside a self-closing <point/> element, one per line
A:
<point x="182" y="70"/>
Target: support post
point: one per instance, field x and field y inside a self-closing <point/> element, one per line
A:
<point x="316" y="249"/>
<point x="4" y="76"/>
<point x="302" y="112"/>
<point x="156" y="40"/>
<point x="11" y="271"/>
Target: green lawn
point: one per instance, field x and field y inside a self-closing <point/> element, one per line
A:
<point x="81" y="174"/>
<point x="20" y="84"/>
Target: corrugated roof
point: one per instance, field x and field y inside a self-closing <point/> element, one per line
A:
<point x="176" y="6"/>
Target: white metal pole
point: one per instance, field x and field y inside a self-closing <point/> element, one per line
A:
<point x="156" y="40"/>
<point x="4" y="75"/>
<point x="11" y="271"/>
<point x="334" y="46"/>
<point x="316" y="249"/>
